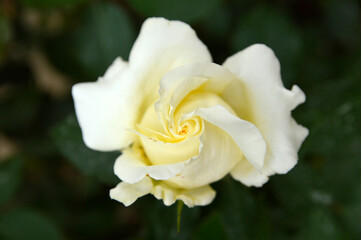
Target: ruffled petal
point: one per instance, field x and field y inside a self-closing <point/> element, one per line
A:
<point x="245" y="134"/>
<point x="269" y="105"/>
<point x="248" y="175"/>
<point x="132" y="166"/>
<point x="295" y="97"/>
<point x="103" y="108"/>
<point x="218" y="156"/>
<point x="191" y="197"/>
<point x="163" y="45"/>
<point x="178" y="83"/>
<point x="114" y="70"/>
<point x="128" y="193"/>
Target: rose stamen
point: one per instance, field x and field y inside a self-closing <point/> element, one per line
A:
<point x="184" y="130"/>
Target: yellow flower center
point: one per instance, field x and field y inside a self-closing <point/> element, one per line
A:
<point x="177" y="138"/>
<point x="184" y="130"/>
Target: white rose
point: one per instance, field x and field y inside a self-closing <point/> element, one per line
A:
<point x="183" y="122"/>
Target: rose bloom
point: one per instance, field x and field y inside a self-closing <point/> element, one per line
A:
<point x="183" y="122"/>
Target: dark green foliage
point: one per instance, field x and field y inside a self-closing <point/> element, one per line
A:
<point x="19" y="110"/>
<point x="24" y="224"/>
<point x="211" y="228"/>
<point x="186" y="10"/>
<point x="10" y="177"/>
<point x="68" y="139"/>
<point x="5" y="31"/>
<point x="272" y="27"/>
<point x="102" y="33"/>
<point x="50" y="3"/>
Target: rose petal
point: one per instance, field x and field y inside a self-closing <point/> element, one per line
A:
<point x="103" y="110"/>
<point x="178" y="83"/>
<point x="191" y="197"/>
<point x="270" y="105"/>
<point x="218" y="156"/>
<point x="245" y="134"/>
<point x="132" y="166"/>
<point x="159" y="152"/>
<point x="163" y="45"/>
<point x="128" y="193"/>
<point x="248" y="175"/>
<point x="114" y="70"/>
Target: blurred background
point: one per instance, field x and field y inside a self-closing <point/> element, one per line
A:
<point x="52" y="187"/>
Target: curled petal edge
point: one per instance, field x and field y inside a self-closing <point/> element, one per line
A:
<point x="132" y="166"/>
<point x="128" y="193"/>
<point x="248" y="175"/>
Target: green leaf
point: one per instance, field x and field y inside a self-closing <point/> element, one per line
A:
<point x="297" y="192"/>
<point x="328" y="172"/>
<point x="10" y="176"/>
<point x="238" y="209"/>
<point x="68" y="139"/>
<point x="216" y="31"/>
<point x="211" y="228"/>
<point x="333" y="122"/>
<point x="328" y="176"/>
<point x="5" y="33"/>
<point x="103" y="33"/>
<point x="273" y="28"/>
<point x="26" y="224"/>
<point x="186" y="10"/>
<point x="19" y="110"/>
<point x="320" y="224"/>
<point x="343" y="21"/>
<point x="352" y="214"/>
<point x="50" y="3"/>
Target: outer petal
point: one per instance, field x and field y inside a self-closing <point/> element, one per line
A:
<point x="103" y="108"/>
<point x="218" y="156"/>
<point x="115" y="70"/>
<point x="161" y="46"/>
<point x="128" y="193"/>
<point x="270" y="105"/>
<point x="245" y="134"/>
<point x="248" y="175"/>
<point x="132" y="166"/>
<point x="191" y="197"/>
